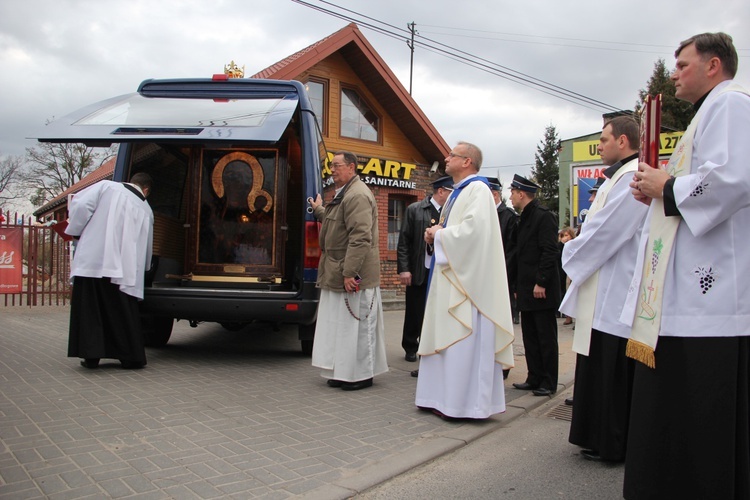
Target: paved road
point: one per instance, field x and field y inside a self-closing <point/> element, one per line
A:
<point x="529" y="459"/>
<point x="214" y="414"/>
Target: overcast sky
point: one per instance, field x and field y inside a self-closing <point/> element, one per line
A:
<point x="59" y="55"/>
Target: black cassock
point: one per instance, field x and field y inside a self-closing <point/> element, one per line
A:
<point x="104" y="322"/>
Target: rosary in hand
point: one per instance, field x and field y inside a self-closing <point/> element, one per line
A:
<point x="349" y="308"/>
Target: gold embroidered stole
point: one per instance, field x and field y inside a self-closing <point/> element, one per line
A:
<point x="661" y="236"/>
<point x="586" y="300"/>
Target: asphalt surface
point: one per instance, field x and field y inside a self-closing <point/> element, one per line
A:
<point x="528" y="459"/>
<point x="215" y="414"/>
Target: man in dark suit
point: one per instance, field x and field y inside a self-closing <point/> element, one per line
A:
<point x="537" y="287"/>
<point x="411" y="260"/>
<point x="508" y="219"/>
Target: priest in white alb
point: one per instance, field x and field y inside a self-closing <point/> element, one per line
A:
<point x="467" y="334"/>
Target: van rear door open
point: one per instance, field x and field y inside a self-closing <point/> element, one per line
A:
<point x="233" y="163"/>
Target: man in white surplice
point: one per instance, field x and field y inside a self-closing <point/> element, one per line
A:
<point x="113" y="224"/>
<point x="467" y="334"/>
<point x="688" y="302"/>
<point x="600" y="264"/>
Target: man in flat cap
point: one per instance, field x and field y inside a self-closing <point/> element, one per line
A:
<point x="537" y="286"/>
<point x="467" y="334"/>
<point x="411" y="266"/>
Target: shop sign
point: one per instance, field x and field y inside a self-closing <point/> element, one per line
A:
<point x="587" y="150"/>
<point x="377" y="172"/>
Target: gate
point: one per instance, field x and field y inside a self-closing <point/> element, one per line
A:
<point x="44" y="263"/>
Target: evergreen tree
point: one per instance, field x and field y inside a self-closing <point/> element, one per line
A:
<point x="546" y="170"/>
<point x="675" y="114"/>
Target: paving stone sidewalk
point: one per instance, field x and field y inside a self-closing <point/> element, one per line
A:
<point x="215" y="414"/>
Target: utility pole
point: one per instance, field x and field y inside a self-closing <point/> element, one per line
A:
<point x="411" y="46"/>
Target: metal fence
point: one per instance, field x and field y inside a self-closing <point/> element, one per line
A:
<point x="46" y="264"/>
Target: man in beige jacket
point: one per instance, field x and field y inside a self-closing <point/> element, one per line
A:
<point x="349" y="336"/>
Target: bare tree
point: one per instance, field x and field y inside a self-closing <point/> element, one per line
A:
<point x="53" y="168"/>
<point x="10" y="170"/>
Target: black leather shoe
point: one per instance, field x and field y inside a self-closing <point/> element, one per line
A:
<point x="90" y="363"/>
<point x="411" y="357"/>
<point x="516" y="321"/>
<point x="569" y="401"/>
<point x="334" y="383"/>
<point x="591" y="455"/>
<point x="355" y="386"/>
<point x="526" y="386"/>
<point x="415" y="373"/>
<point x="542" y="392"/>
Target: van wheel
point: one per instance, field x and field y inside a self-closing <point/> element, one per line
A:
<point x="306" y="338"/>
<point x="156" y="330"/>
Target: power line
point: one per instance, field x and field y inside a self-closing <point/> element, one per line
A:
<point x="467" y="58"/>
<point x="528" y="42"/>
<point x="550" y="37"/>
<point x="491" y="71"/>
<point x="670" y="48"/>
<point x="537" y="82"/>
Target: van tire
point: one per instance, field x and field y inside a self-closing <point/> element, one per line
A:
<point x="156" y="330"/>
<point x="306" y="338"/>
<point x="307" y="347"/>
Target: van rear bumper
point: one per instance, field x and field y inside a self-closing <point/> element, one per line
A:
<point x="211" y="304"/>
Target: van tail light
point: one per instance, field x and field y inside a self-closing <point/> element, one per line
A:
<point x="312" y="244"/>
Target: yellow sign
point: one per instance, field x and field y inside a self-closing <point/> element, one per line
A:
<point x="587" y="150"/>
<point x="389" y="173"/>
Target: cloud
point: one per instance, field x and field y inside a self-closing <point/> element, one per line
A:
<point x="59" y="55"/>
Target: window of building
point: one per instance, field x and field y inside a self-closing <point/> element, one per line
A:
<point x="396" y="213"/>
<point x="358" y="120"/>
<point x="317" y="90"/>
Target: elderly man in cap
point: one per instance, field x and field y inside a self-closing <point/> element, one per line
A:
<point x="411" y="266"/>
<point x="467" y="334"/>
<point x="537" y="287"/>
<point x="600" y="263"/>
